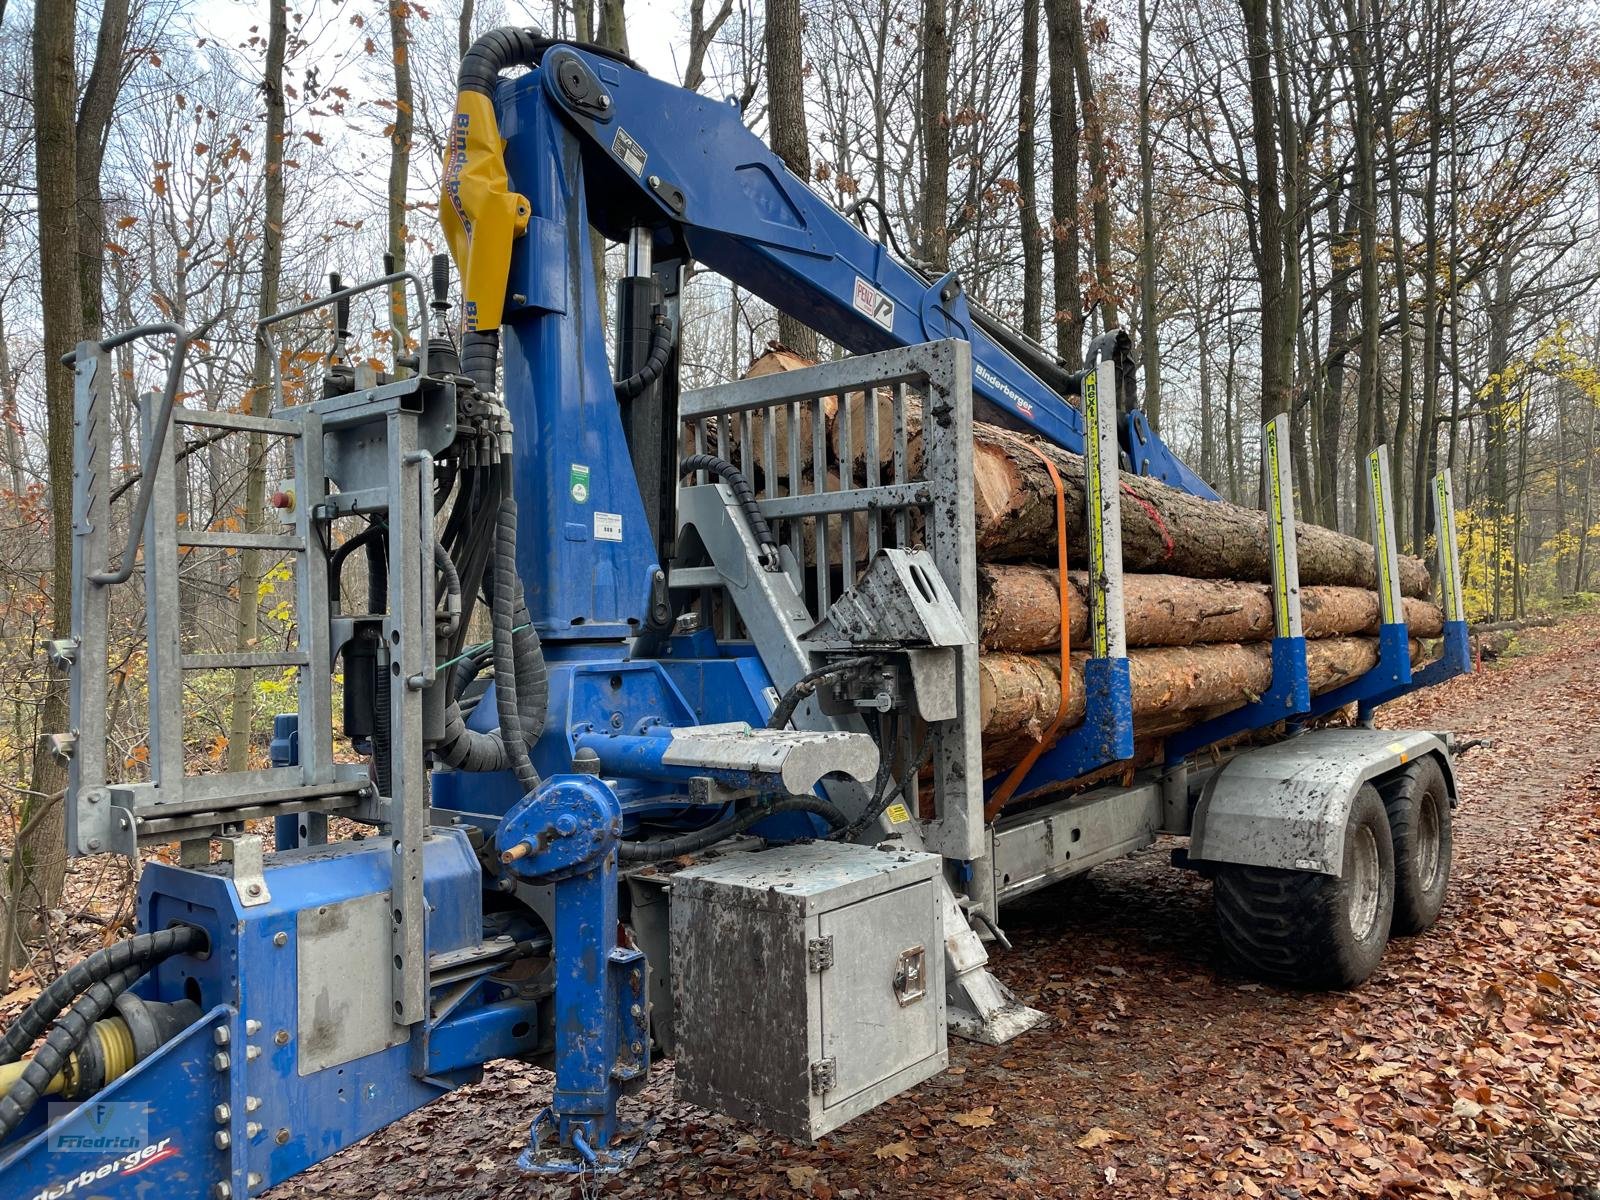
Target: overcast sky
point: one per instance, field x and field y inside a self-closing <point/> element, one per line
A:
<point x="654" y="28"/>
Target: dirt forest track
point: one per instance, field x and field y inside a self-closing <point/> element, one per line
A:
<point x="1469" y="1066"/>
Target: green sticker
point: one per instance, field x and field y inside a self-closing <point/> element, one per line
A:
<point x="578" y="483"/>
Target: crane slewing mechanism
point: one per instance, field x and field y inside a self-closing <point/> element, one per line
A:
<point x="722" y="798"/>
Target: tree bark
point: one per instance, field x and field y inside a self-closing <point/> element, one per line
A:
<point x="934" y="119"/>
<point x="1162" y="529"/>
<point x="242" y="709"/>
<point x="1067" y="290"/>
<point x="1094" y="132"/>
<point x="39" y="864"/>
<point x="1019" y="610"/>
<point x="1027" y="184"/>
<point x="1268" y="222"/>
<point x="94" y="122"/>
<point x="1149" y="318"/>
<point x="786" y="118"/>
<point x="399" y="167"/>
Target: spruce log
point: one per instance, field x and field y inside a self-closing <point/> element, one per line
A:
<point x="1163" y="529"/>
<point x="1019" y="609"/>
<point x="1173" y="686"/>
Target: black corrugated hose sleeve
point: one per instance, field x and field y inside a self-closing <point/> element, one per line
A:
<point x="480" y="355"/>
<point x="742" y="491"/>
<point x="68" y="1035"/>
<point x="503" y="622"/>
<point x="142" y="950"/>
<point x="699" y="839"/>
<point x="654" y="364"/>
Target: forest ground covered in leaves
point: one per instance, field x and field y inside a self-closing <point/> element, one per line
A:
<point x="1468" y="1067"/>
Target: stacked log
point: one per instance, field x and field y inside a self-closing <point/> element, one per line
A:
<point x="1019" y="608"/>
<point x="1196" y="587"/>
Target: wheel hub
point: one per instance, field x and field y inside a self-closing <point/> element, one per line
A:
<point x="1427" y="849"/>
<point x="1365" y="882"/>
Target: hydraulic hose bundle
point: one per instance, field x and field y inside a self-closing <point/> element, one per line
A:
<point x="82" y="1045"/>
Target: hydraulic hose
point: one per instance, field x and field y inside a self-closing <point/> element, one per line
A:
<point x="661" y="338"/>
<point x="508" y="683"/>
<point x="143" y="950"/>
<point x="92" y="987"/>
<point x="807" y="685"/>
<point x="69" y="1036"/>
<point x="745" y="495"/>
<point x="699" y="839"/>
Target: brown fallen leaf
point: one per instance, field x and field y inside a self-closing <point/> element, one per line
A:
<point x="801" y="1178"/>
<point x="901" y="1150"/>
<point x="977" y="1118"/>
<point x="1097" y="1137"/>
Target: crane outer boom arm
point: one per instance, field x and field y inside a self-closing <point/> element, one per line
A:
<point x="686" y="166"/>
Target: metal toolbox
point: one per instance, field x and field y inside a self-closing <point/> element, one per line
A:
<point x="808" y="981"/>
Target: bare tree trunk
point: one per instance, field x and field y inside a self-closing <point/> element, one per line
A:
<point x="399" y="167"/>
<point x="1149" y="331"/>
<point x="1368" y="432"/>
<point x="1027" y="183"/>
<point x="613" y="25"/>
<point x="1064" y="187"/>
<point x="464" y="28"/>
<point x="701" y="34"/>
<point x="1269" y="217"/>
<point x="786" y="117"/>
<point x="39" y="864"/>
<point x="1426" y="461"/>
<point x="257" y="400"/>
<point x="934" y="119"/>
<point x="8" y="414"/>
<point x="1094" y="133"/>
<point x="94" y="121"/>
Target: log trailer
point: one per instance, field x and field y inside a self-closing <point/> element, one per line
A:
<point x="722" y="799"/>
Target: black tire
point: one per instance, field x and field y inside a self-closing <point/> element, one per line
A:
<point x="1315" y="931"/>
<point x="1419" y="818"/>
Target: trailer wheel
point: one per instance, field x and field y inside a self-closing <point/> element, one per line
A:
<point x="1419" y="817"/>
<point x="1309" y="930"/>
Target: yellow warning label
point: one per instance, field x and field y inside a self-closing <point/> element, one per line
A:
<point x="899" y="814"/>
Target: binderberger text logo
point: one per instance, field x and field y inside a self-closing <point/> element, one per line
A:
<point x="127" y="1164"/>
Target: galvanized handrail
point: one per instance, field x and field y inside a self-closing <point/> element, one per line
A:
<point x="264" y="325"/>
<point x="106" y="577"/>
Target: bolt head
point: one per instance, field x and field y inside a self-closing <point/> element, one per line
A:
<point x="280" y="939"/>
<point x="281" y="1038"/>
<point x="222" y="1191"/>
<point x="566" y="824"/>
<point x="220" y="1060"/>
<point x="95" y="844"/>
<point x="222" y="1113"/>
<point x="254" y="889"/>
<point x="222" y="1139"/>
<point x="252" y="1026"/>
<point x="655" y="181"/>
<point x="281" y="1137"/>
<point x="251" y="1103"/>
<point x="221" y="1035"/>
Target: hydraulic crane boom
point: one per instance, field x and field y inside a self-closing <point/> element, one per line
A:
<point x="685" y="167"/>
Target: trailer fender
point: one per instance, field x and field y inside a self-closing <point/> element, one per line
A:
<point x="1286" y="805"/>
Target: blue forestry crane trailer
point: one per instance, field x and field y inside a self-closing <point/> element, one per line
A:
<point x="723" y="798"/>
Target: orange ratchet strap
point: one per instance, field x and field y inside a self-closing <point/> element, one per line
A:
<point x="1007" y="789"/>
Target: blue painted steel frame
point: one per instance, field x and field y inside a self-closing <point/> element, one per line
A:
<point x="566" y="833"/>
<point x="278" y="1121"/>
<point x="1104" y="736"/>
